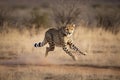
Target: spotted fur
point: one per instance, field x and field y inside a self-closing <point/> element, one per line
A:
<point x="60" y="37"/>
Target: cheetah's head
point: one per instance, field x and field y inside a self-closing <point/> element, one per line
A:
<point x="69" y="29"/>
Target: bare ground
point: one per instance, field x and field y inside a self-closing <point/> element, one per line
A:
<point x="57" y="72"/>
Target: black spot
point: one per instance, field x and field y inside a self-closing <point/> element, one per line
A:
<point x="39" y="44"/>
<point x="35" y="45"/>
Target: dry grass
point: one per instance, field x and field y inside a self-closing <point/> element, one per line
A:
<point x="56" y="73"/>
<point x="22" y="61"/>
<point x="97" y="43"/>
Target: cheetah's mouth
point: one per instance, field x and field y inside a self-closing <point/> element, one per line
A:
<point x="68" y="33"/>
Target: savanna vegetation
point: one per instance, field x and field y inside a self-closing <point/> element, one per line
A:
<point x="24" y="22"/>
<point x="58" y="13"/>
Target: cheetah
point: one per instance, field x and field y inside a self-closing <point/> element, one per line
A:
<point x="60" y="37"/>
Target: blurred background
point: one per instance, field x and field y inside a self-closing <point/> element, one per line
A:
<point x="24" y="22"/>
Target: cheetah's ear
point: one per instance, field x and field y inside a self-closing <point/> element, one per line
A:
<point x="73" y="25"/>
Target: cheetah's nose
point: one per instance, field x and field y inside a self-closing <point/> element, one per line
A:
<point x="69" y="33"/>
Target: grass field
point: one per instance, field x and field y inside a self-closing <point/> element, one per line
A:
<point x="20" y="60"/>
<point x="57" y="72"/>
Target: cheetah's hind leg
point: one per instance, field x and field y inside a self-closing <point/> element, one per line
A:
<point x="47" y="50"/>
<point x="50" y="48"/>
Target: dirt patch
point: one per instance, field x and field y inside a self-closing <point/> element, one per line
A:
<point x="56" y="72"/>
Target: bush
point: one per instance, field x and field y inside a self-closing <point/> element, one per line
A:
<point x="108" y="18"/>
<point x="39" y="19"/>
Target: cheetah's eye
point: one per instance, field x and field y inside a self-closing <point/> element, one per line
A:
<point x="67" y="29"/>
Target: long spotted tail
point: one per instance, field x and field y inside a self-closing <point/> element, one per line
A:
<point x="40" y="44"/>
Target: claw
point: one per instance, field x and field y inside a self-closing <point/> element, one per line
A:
<point x="83" y="53"/>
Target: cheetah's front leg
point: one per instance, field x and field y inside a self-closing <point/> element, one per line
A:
<point x="68" y="52"/>
<point x="72" y="46"/>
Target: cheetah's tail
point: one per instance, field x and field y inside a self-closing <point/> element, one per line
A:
<point x="40" y="44"/>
